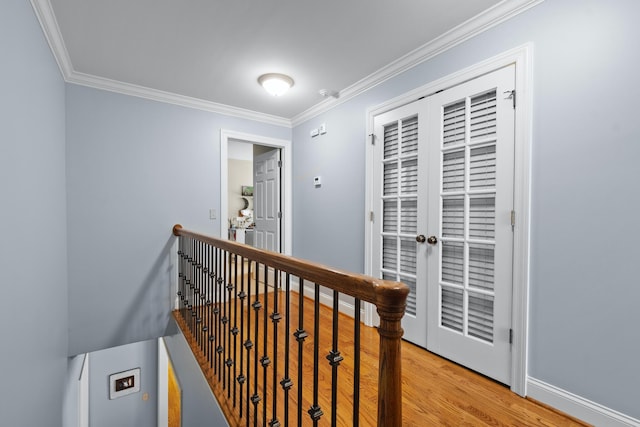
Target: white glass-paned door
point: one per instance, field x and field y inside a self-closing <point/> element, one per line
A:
<point x="470" y="162"/>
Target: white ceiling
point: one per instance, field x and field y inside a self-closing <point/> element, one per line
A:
<point x="214" y="50"/>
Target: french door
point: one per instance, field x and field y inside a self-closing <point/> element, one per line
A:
<point x="401" y="196"/>
<point x="444" y="168"/>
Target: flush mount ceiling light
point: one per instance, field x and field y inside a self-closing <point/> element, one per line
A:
<point x="276" y="84"/>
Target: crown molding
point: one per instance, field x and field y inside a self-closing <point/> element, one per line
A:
<point x="49" y="24"/>
<point x="172" y="98"/>
<point x="470" y="28"/>
<point x="491" y="17"/>
<point x="51" y="30"/>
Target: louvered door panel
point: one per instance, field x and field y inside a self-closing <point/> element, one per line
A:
<point x="398" y="139"/>
<point x="400" y="189"/>
<point x="471" y="175"/>
<point x="468" y="212"/>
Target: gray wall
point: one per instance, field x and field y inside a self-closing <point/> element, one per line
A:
<point x="586" y="149"/>
<point x="131" y="410"/>
<point x="134" y="169"/>
<point x="33" y="260"/>
<point x="199" y="405"/>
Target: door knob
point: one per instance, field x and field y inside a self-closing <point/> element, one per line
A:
<point x="421" y="238"/>
<point x="432" y="240"/>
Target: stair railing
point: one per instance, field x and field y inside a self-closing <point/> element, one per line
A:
<point x="237" y="310"/>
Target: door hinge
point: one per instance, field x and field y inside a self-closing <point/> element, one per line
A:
<point x="373" y="138"/>
<point x="513" y="219"/>
<point x="279" y="163"/>
<point x="510" y="336"/>
<point x="512" y="95"/>
<point x="279" y="215"/>
<point x="371" y="216"/>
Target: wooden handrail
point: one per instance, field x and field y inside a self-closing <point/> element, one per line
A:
<point x="389" y="297"/>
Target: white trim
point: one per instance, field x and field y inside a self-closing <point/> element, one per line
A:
<point x="522" y="58"/>
<point x="51" y="30"/>
<point x="484" y="21"/>
<point x="163" y="384"/>
<point x="325" y="299"/>
<point x="46" y="17"/>
<point x="287" y="164"/>
<point x="83" y="393"/>
<point x="578" y="406"/>
<point x="172" y="98"/>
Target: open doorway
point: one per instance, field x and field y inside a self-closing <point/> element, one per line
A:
<point x="255" y="190"/>
<point x="254" y="194"/>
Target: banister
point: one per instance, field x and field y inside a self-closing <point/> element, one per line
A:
<point x="389" y="297"/>
<point x="389" y="294"/>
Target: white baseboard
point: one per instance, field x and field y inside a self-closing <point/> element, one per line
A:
<point x="325" y="299"/>
<point x="576" y="406"/>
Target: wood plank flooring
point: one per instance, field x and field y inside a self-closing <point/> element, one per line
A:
<point x="436" y="392"/>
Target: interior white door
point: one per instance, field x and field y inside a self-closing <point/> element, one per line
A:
<point x="470" y="247"/>
<point x="266" y="191"/>
<point x="400" y="194"/>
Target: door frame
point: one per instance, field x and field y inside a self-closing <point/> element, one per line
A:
<point x="522" y="58"/>
<point x="286" y="184"/>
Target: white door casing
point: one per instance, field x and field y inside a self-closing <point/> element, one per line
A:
<point x="286" y="182"/>
<point x="521" y="57"/>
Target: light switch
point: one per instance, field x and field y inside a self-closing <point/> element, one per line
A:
<point x="317" y="181"/>
<point x="212" y="214"/>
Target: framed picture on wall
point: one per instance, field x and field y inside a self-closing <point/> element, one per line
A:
<point x="124" y="383"/>
<point x="247" y="190"/>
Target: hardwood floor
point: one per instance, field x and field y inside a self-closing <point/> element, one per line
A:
<point x="436" y="392"/>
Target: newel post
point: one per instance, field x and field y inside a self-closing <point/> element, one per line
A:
<point x="390" y="307"/>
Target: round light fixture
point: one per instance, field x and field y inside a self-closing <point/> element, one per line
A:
<point x="275" y="84"/>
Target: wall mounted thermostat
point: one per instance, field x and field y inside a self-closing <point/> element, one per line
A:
<point x="317" y="181"/>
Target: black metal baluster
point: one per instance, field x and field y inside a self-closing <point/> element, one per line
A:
<point x="198" y="291"/>
<point x="286" y="382"/>
<point x="185" y="281"/>
<point x="356" y="364"/>
<point x="235" y="329"/>
<point x="202" y="330"/>
<point x="241" y="377"/>
<point x="181" y="277"/>
<point x="187" y="275"/>
<point x="334" y="359"/>
<point x="300" y="335"/>
<point x="315" y="412"/>
<point x="224" y="320"/>
<point x="192" y="274"/>
<point x="275" y="319"/>
<point x="248" y="345"/>
<point x="212" y="306"/>
<point x="216" y="311"/>
<point x="207" y="302"/>
<point x="230" y="286"/>
<point x="255" y="398"/>
<point x="264" y="360"/>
